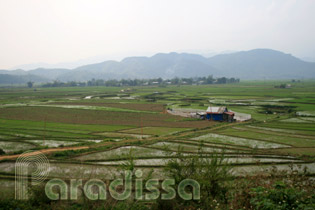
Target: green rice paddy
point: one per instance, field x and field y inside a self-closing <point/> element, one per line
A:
<point x="116" y="127"/>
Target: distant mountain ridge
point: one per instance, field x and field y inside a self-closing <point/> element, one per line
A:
<point x="253" y="64"/>
<point x="9" y="79"/>
<point x="262" y="63"/>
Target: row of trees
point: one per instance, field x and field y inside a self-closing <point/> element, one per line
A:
<point x="143" y="82"/>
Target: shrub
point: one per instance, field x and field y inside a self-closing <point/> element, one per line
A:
<point x="2" y="152"/>
<point x="274" y="189"/>
<point x="282" y="197"/>
<point x="211" y="172"/>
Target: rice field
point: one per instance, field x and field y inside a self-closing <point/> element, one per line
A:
<point x="124" y="153"/>
<point x="53" y="143"/>
<point x="223" y="139"/>
<point x="10" y="147"/>
<point x="160" y="131"/>
<point x="116" y="128"/>
<point x="269" y="137"/>
<point x="162" y="162"/>
<point x="122" y="135"/>
<point x="182" y="147"/>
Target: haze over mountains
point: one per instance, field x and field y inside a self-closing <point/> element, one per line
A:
<point x="253" y="64"/>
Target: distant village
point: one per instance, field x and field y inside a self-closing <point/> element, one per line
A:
<point x="146" y="82"/>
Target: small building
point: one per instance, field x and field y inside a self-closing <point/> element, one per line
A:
<point x="228" y="116"/>
<point x="219" y="114"/>
<point x="201" y="115"/>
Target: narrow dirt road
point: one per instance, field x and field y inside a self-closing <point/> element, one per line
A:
<point x="45" y="151"/>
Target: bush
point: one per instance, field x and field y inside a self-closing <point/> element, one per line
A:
<point x="282" y="197"/>
<point x="274" y="189"/>
<point x="2" y="152"/>
<point x="211" y="172"/>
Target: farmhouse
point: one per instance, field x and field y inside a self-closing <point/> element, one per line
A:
<point x="219" y="114"/>
<point x="212" y="113"/>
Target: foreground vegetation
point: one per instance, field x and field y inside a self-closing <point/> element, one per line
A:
<point x="273" y="189"/>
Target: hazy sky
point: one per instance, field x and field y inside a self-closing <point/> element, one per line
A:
<point x="54" y="31"/>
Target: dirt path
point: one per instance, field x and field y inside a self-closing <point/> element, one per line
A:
<point x="45" y="151"/>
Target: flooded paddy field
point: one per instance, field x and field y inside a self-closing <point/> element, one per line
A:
<point x="217" y="138"/>
<point x="10" y="147"/>
<point x="159" y="162"/>
<point x="124" y="152"/>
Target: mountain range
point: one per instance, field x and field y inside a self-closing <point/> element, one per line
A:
<point x="252" y="64"/>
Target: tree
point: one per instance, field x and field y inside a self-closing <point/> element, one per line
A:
<point x="222" y="80"/>
<point x="160" y="80"/>
<point x="30" y="84"/>
<point x="176" y="81"/>
<point x="209" y="79"/>
<point x="232" y="80"/>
